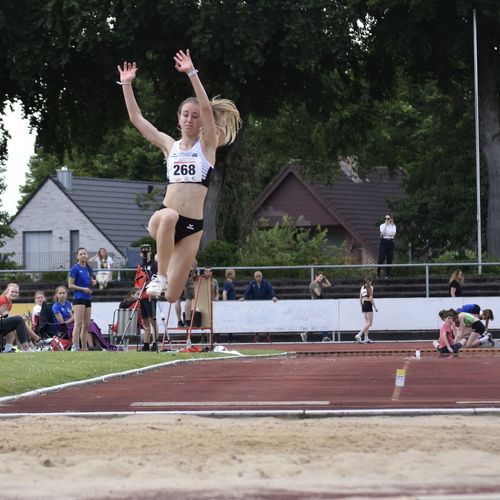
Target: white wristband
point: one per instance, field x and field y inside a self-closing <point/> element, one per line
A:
<point x="192" y="72"/>
<point x="124" y="83"/>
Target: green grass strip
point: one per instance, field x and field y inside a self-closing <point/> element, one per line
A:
<point x="22" y="372"/>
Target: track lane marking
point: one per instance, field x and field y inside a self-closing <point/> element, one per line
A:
<point x="492" y="401"/>
<point x="228" y="403"/>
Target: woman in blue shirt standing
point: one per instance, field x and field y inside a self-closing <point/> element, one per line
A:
<point x="80" y="281"/>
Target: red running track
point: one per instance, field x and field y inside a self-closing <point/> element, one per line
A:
<point x="333" y="378"/>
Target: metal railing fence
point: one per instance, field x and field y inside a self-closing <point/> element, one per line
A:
<point x="418" y="270"/>
<point x="48" y="261"/>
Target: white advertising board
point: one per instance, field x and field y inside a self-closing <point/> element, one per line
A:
<point x="403" y="314"/>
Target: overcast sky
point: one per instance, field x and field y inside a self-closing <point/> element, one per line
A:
<point x="21" y="148"/>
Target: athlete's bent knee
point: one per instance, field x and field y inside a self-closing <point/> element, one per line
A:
<point x="168" y="218"/>
<point x="171" y="297"/>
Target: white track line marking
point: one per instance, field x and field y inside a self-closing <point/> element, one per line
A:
<point x="477" y="402"/>
<point x="168" y="404"/>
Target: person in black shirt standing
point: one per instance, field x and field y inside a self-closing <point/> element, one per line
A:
<point x="455" y="283"/>
<point x="259" y="289"/>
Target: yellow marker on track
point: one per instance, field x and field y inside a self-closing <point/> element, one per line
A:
<point x="400" y="377"/>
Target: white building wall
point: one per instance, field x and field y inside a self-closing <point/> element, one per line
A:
<point x="51" y="210"/>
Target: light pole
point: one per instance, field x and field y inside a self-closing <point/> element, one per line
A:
<point x="478" y="159"/>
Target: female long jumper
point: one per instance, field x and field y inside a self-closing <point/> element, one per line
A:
<point x="178" y="224"/>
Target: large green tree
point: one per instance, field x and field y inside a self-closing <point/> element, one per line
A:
<point x="59" y="59"/>
<point x="422" y="128"/>
<point x="314" y="80"/>
<point x="418" y="127"/>
<point x="434" y="41"/>
<point x="5" y="230"/>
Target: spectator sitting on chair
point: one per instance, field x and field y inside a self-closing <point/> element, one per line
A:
<point x="42" y="318"/>
<point x="317" y="285"/>
<point x="12" y="291"/>
<point x="228" y="291"/>
<point x="133" y="296"/>
<point x="39" y="299"/>
<point x="259" y="289"/>
<point x="62" y="309"/>
<point x="104" y="264"/>
<point x="10" y="326"/>
<point x="133" y="302"/>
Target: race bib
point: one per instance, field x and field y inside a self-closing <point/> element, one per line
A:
<point x="184" y="170"/>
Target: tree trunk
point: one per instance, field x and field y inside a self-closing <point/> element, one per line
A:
<point x="211" y="204"/>
<point x="224" y="160"/>
<point x="490" y="134"/>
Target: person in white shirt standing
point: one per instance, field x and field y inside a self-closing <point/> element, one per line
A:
<point x="386" y="249"/>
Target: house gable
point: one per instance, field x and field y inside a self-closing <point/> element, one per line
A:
<point x="357" y="205"/>
<point x="89" y="212"/>
<point x="291" y="197"/>
<point x="361" y="204"/>
<point x="50" y="210"/>
<point x="111" y="204"/>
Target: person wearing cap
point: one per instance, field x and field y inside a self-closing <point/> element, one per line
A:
<point x="386" y="248"/>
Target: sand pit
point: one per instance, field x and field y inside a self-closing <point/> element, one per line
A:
<point x="159" y="456"/>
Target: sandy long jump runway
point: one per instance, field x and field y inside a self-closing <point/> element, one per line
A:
<point x="163" y="455"/>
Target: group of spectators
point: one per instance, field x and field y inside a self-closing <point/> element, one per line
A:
<point x="65" y="319"/>
<point x="461" y="327"/>
<point x="36" y="330"/>
<point x="464" y="327"/>
<point x="257" y="289"/>
<point x="261" y="289"/>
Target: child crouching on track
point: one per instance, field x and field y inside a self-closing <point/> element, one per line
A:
<point x="481" y="335"/>
<point x="471" y="330"/>
<point x="447" y="343"/>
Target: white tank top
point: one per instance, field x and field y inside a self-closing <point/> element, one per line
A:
<point x="188" y="166"/>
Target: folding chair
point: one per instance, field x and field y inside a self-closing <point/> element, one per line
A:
<point x="46" y="326"/>
<point x="126" y="328"/>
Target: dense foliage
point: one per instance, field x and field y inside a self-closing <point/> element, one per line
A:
<point x="385" y="81"/>
<point x="284" y="244"/>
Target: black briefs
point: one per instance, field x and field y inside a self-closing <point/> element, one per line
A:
<point x="185" y="226"/>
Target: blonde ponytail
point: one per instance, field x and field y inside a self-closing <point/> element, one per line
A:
<point x="226" y="116"/>
<point x="227" y="120"/>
